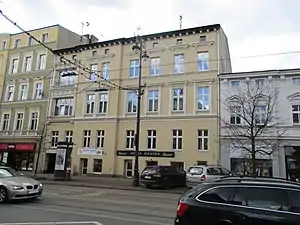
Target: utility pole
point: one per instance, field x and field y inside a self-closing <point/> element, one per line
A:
<point x="39" y="150"/>
<point x="139" y="46"/>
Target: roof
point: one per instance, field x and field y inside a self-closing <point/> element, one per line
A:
<point x="153" y="36"/>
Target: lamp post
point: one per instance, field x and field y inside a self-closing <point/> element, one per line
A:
<point x="143" y="55"/>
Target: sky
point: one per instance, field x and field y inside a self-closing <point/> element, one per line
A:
<point x="262" y="34"/>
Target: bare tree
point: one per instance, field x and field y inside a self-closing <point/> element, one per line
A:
<point x="253" y="126"/>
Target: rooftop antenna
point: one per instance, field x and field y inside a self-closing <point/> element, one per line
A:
<point x="83" y="24"/>
<point x="180" y="21"/>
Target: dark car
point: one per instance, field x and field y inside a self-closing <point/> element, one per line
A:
<point x="241" y="201"/>
<point x="163" y="176"/>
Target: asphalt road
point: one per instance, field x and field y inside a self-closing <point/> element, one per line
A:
<point x="87" y="206"/>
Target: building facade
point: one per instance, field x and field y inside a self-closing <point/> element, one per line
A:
<point x="284" y="160"/>
<point x="27" y="67"/>
<point x="179" y="108"/>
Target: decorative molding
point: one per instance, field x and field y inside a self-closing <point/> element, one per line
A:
<point x="202" y="43"/>
<point x="175" y="47"/>
<point x="294" y="97"/>
<point x="154" y="50"/>
<point x="107" y="56"/>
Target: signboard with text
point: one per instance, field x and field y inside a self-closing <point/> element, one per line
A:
<point x="163" y="154"/>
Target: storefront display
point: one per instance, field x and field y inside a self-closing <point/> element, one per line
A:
<point x="243" y="167"/>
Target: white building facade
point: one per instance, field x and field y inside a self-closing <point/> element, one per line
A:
<point x="285" y="161"/>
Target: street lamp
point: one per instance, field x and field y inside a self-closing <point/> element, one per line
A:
<point x="143" y="55"/>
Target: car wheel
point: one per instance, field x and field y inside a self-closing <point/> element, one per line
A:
<point x="3" y="194"/>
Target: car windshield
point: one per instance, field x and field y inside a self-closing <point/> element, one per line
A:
<point x="195" y="170"/>
<point x="8" y="172"/>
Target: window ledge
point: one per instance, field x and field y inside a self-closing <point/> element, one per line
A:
<point x="156" y="50"/>
<point x="152" y="112"/>
<point x="101" y="114"/>
<point x="177" y="111"/>
<point x="202" y="150"/>
<point x="202" y="111"/>
<point x="202" y="43"/>
<point x="183" y="46"/>
<point x="130" y="113"/>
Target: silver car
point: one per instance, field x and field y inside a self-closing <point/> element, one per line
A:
<point x="14" y="186"/>
<point x="204" y="174"/>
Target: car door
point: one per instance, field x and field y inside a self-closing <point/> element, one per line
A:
<point x="214" y="173"/>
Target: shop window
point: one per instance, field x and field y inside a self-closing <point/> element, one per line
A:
<point x="97" y="168"/>
<point x="243" y="167"/>
<point x="178" y="165"/>
<point x="151" y="163"/>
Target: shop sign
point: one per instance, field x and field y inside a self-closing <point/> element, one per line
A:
<point x="60" y="159"/>
<point x="90" y="151"/>
<point x="162" y="154"/>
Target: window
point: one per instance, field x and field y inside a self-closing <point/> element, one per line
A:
<point x="195" y="170"/>
<point x="134" y="68"/>
<point x="45" y="38"/>
<point x="5" y="121"/>
<point x="14" y="67"/>
<point x="34" y="117"/>
<point x="23" y="92"/>
<point x="10" y="93"/>
<point x="54" y="138"/>
<point x="235" y="83"/>
<point x="38" y="91"/>
<point x="103" y="103"/>
<point x="153" y="96"/>
<point x="30" y="41"/>
<point x="90" y="104"/>
<point x="202" y="38"/>
<point x="3" y="45"/>
<point x="235" y="112"/>
<point x="19" y="122"/>
<point x="261" y="197"/>
<point x="203" y="61"/>
<point x="203" y="98"/>
<point x="17" y="43"/>
<point x="296" y="81"/>
<point x="260" y="114"/>
<point x="129" y="139"/>
<point x="86" y="138"/>
<point x="64" y="107"/>
<point x="94" y="70"/>
<point x="296" y="114"/>
<point x="177" y="139"/>
<point x="94" y="53"/>
<point x="42" y="62"/>
<point x="217" y="195"/>
<point x="155" y="45"/>
<point x="260" y="82"/>
<point x="69" y="135"/>
<point x="105" y="70"/>
<point x="154" y="66"/>
<point x="97" y="168"/>
<point x="67" y="78"/>
<point x="202" y="163"/>
<point x="27" y="63"/>
<point x="131" y="102"/>
<point x="106" y="51"/>
<point x="179" y="41"/>
<point x="151" y="139"/>
<point x="179" y="63"/>
<point x="294" y="201"/>
<point x="74" y="57"/>
<point x="100" y="138"/>
<point x="202" y="139"/>
<point x="177" y="99"/>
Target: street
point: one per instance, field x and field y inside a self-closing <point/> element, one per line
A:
<point x="87" y="206"/>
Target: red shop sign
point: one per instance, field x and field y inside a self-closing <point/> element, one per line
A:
<point x="17" y="146"/>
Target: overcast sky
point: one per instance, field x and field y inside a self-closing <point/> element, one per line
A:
<point x="253" y="27"/>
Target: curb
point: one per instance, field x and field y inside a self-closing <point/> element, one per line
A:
<point x="170" y="191"/>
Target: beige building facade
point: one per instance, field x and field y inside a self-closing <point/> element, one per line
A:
<point x="179" y="107"/>
<point x="27" y="68"/>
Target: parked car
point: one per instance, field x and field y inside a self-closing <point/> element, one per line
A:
<point x="204" y="174"/>
<point x="163" y="176"/>
<point x="13" y="185"/>
<point x="241" y="201"/>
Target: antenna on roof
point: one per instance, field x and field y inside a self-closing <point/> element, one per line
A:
<point x="83" y="24"/>
<point x="180" y="21"/>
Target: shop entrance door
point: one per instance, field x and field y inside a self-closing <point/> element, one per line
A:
<point x="83" y="166"/>
<point x="50" y="162"/>
<point x="128" y="168"/>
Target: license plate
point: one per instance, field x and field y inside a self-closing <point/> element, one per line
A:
<point x="33" y="192"/>
<point x="147" y="177"/>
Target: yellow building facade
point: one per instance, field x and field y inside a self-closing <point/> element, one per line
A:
<point x="179" y="106"/>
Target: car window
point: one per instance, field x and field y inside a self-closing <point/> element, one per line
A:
<point x="151" y="169"/>
<point x="225" y="171"/>
<point x="260" y="197"/>
<point x="217" y="195"/>
<point x="215" y="171"/>
<point x="196" y="170"/>
<point x="5" y="173"/>
<point x="294" y="201"/>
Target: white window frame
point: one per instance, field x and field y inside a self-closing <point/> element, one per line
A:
<point x="204" y="60"/>
<point x="17" y="43"/>
<point x="69" y="135"/>
<point x="130" y="137"/>
<point x="152" y="99"/>
<point x="86" y="138"/>
<point x="4" y="43"/>
<point x="31" y="120"/>
<point x="100" y="139"/>
<point x="106" y="70"/>
<point x="7" y="93"/>
<point x="35" y="90"/>
<point x="297" y="113"/>
<point x="27" y="66"/>
<point x="259" y="113"/>
<point x="90" y="102"/>
<point x="66" y="80"/>
<point x="203" y="137"/>
<point x="14" y="64"/>
<point x="65" y="102"/>
<point x="179" y="63"/>
<point x="233" y="114"/>
<point x="178" y="138"/>
<point x="41" y="65"/>
<point x="179" y="98"/>
<point x="133" y="102"/>
<point x="54" y="138"/>
<point x="202" y="97"/>
<point x="135" y="67"/>
<point x="154" y="66"/>
<point x="94" y="72"/>
<point x="22" y="91"/>
<point x="30" y="41"/>
<point x="45" y="38"/>
<point x="152" y="137"/>
<point x="17" y="120"/>
<point x="103" y="103"/>
<point x="3" y="120"/>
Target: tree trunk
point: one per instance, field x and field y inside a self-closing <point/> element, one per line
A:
<point x="253" y="157"/>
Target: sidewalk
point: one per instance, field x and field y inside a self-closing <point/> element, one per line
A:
<point x="100" y="182"/>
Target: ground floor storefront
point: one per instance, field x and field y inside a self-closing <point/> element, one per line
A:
<point x="18" y="155"/>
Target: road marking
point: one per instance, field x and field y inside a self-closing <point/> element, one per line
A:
<point x="87" y="214"/>
<point x="54" y="223"/>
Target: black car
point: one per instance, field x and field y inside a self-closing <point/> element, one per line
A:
<point x="163" y="176"/>
<point x="241" y="201"/>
